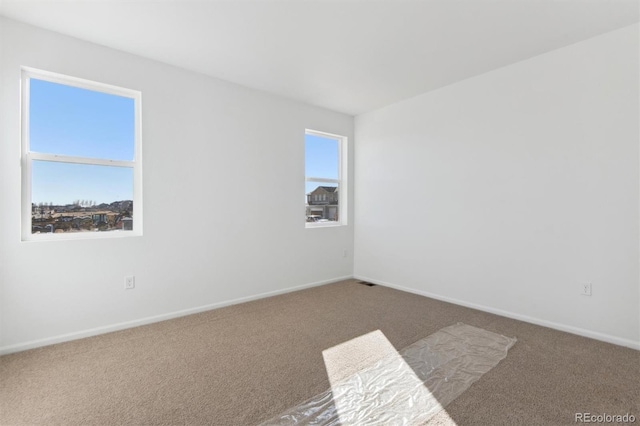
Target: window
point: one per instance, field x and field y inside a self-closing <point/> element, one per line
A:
<point x="81" y="158"/>
<point x="325" y="179"/>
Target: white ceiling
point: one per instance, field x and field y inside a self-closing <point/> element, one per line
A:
<point x="351" y="56"/>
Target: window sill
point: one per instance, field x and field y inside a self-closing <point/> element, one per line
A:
<point x="80" y="236"/>
<point x="313" y="225"/>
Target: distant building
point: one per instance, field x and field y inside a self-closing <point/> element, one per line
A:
<point x="127" y="224"/>
<point x="99" y="218"/>
<point x="322" y="203"/>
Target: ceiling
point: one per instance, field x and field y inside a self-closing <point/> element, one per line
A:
<point x="351" y="56"/>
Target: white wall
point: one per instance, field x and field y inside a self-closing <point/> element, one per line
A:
<point x="223" y="201"/>
<point x="507" y="190"/>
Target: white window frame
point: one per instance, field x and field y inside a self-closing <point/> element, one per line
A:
<point x="28" y="156"/>
<point x="341" y="181"/>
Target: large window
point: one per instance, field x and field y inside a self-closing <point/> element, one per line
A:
<point x="325" y="179"/>
<point x="81" y="158"/>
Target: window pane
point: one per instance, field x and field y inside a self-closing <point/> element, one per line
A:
<point x="322" y="202"/>
<point x="67" y="120"/>
<point x="79" y="198"/>
<point x="321" y="157"/>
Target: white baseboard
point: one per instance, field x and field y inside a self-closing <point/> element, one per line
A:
<point x="550" y="324"/>
<point x="156" y="318"/>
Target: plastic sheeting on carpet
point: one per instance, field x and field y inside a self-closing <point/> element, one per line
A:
<point x="409" y="387"/>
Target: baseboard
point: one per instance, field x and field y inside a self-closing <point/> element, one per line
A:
<point x="156" y="318"/>
<point x="544" y="323"/>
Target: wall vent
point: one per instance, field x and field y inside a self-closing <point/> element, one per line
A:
<point x="366" y="283"/>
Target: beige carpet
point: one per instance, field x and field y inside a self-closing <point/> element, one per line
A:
<point x="246" y="363"/>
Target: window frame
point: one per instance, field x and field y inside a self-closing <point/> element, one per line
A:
<point x="341" y="181"/>
<point x="27" y="156"/>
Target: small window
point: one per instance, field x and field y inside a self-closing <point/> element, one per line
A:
<point x="325" y="179"/>
<point x="81" y="165"/>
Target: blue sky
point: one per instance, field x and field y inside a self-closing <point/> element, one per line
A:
<point x="63" y="183"/>
<point x="321" y="160"/>
<point x="72" y="121"/>
<point x="78" y="122"/>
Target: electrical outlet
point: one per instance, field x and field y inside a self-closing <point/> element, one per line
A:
<point x="345" y="253"/>
<point x="585" y="289"/>
<point x="129" y="282"/>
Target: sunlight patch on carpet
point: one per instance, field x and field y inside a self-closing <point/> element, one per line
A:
<point x="373" y="384"/>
